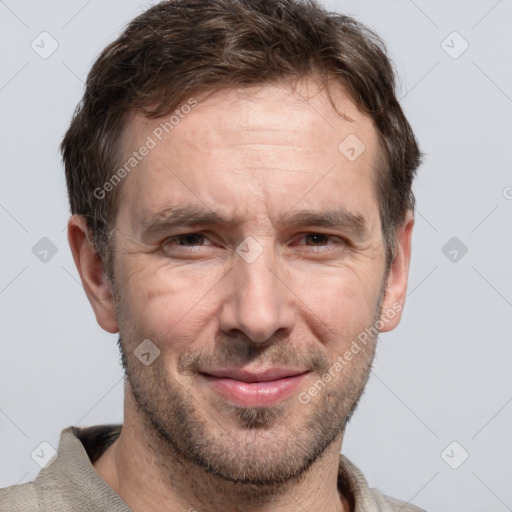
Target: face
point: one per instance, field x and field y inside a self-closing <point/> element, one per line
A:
<point x="249" y="251"/>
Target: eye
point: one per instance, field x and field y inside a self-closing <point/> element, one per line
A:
<point x="198" y="244"/>
<point x="321" y="239"/>
<point x="316" y="239"/>
<point x="186" y="245"/>
<point x="187" y="239"/>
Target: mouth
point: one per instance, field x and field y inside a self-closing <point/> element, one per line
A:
<point x="256" y="388"/>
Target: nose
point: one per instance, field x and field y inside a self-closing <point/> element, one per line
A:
<point x="258" y="301"/>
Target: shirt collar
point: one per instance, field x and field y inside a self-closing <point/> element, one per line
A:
<point x="80" y="447"/>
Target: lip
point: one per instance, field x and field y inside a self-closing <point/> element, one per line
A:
<point x="257" y="375"/>
<point x="260" y="388"/>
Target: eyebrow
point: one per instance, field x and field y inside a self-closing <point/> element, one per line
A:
<point x="188" y="216"/>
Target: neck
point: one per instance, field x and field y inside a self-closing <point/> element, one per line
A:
<point x="148" y="475"/>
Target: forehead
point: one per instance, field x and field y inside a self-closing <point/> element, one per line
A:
<point x="217" y="149"/>
<point x="257" y="114"/>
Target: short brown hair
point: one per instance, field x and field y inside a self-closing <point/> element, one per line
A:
<point x="181" y="47"/>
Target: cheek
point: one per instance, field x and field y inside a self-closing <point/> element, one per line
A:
<point x="343" y="301"/>
<point x="176" y="307"/>
<point x="165" y="303"/>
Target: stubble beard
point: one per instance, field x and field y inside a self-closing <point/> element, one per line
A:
<point x="265" y="449"/>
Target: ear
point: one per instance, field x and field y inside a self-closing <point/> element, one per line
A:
<point x="97" y="285"/>
<point x="394" y="299"/>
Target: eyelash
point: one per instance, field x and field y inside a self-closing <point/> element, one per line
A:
<point x="171" y="239"/>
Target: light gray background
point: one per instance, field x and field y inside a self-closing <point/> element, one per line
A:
<point x="444" y="375"/>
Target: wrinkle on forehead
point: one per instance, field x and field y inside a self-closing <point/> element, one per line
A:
<point x="257" y="110"/>
<point x="265" y="145"/>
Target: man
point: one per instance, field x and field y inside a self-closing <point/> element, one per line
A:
<point x="239" y="174"/>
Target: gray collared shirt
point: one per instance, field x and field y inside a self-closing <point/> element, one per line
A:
<point x="69" y="483"/>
